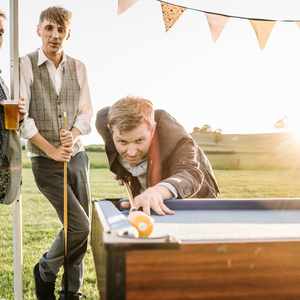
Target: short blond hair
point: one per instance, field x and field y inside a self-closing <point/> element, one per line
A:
<point x="57" y="15"/>
<point x="128" y="113"/>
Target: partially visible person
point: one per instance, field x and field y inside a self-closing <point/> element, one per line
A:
<point x="53" y="83"/>
<point x="154" y="154"/>
<point x="10" y="148"/>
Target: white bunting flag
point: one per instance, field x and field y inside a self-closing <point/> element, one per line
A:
<point x="123" y="5"/>
<point x="216" y="25"/>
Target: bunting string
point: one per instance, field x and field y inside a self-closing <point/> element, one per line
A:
<point x="226" y="15"/>
<point x="172" y="12"/>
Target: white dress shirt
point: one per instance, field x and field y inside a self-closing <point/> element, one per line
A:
<point x="83" y="120"/>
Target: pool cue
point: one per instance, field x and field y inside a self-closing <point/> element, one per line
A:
<point x="130" y="196"/>
<point x="66" y="287"/>
<point x="138" y="221"/>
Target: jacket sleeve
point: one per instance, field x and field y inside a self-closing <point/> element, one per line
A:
<point x="190" y="171"/>
<point x="14" y="170"/>
<point x="101" y="124"/>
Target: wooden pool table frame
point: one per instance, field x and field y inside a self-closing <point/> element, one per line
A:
<point x="148" y="269"/>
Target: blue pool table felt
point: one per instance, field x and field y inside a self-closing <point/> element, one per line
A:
<point x="223" y="224"/>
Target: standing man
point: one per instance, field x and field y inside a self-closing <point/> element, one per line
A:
<point x="10" y="148"/>
<point x="154" y="154"/>
<point x="53" y="83"/>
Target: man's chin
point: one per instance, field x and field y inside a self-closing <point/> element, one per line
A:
<point x="133" y="162"/>
<point x="54" y="50"/>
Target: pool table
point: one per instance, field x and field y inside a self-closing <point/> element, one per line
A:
<point x="210" y="249"/>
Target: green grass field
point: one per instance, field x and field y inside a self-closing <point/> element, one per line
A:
<point x="41" y="225"/>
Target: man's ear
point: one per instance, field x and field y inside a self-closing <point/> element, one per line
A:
<point x="109" y="128"/>
<point x="38" y="30"/>
<point x="69" y="34"/>
<point x="153" y="128"/>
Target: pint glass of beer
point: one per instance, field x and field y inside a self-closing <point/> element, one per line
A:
<point x="11" y="114"/>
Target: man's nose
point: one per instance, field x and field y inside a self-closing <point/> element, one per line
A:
<point x="131" y="150"/>
<point x="55" y="33"/>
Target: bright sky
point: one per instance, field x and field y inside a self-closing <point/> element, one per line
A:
<point x="231" y="84"/>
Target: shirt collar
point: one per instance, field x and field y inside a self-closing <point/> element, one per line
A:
<point x="136" y="171"/>
<point x="42" y="58"/>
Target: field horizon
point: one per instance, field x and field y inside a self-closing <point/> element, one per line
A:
<point x="40" y="223"/>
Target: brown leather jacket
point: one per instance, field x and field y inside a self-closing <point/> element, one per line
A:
<point x="173" y="157"/>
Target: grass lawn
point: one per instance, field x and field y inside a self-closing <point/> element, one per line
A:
<point x="40" y="221"/>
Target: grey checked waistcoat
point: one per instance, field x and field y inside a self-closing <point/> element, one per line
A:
<point x="47" y="108"/>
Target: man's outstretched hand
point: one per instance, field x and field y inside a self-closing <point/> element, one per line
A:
<point x="153" y="198"/>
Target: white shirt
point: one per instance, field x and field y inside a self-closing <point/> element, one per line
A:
<point x="83" y="120"/>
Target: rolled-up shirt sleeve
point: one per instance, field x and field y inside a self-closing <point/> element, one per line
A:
<point x="83" y="119"/>
<point x="28" y="127"/>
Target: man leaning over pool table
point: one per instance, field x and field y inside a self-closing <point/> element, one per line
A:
<point x="154" y="154"/>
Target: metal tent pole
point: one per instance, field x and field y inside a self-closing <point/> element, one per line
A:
<point x="15" y="94"/>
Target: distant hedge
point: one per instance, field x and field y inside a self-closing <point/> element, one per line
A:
<point x="95" y="148"/>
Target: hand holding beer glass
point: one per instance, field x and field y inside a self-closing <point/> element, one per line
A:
<point x="14" y="110"/>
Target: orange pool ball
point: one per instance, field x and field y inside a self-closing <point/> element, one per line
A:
<point x="142" y="222"/>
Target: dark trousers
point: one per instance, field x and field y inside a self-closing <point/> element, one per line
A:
<point x="48" y="175"/>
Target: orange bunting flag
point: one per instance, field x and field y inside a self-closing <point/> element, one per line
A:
<point x="298" y="23"/>
<point x="216" y="24"/>
<point x="123" y="5"/>
<point x="262" y="30"/>
<point x="171" y="14"/>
